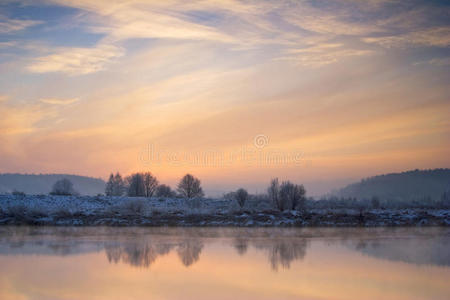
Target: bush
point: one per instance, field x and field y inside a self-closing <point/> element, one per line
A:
<point x="164" y="191"/>
<point x="134" y="207"/>
<point x="63" y="187"/>
<point x="17" y="211"/>
<point x="18" y="193"/>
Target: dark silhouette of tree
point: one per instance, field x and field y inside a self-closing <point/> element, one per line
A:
<point x="291" y="195"/>
<point x="136" y="185"/>
<point x="274" y="191"/>
<point x="150" y="184"/>
<point x="164" y="191"/>
<point x="241" y="197"/>
<point x="110" y="186"/>
<point x="287" y="195"/>
<point x="189" y="187"/>
<point x="119" y="185"/>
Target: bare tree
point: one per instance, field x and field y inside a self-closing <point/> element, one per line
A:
<point x="273" y="191"/>
<point x="136" y="186"/>
<point x="114" y="185"/>
<point x="63" y="187"/>
<point x="288" y="195"/>
<point x="291" y="195"/>
<point x="189" y="187"/>
<point x="241" y="197"/>
<point x="119" y="185"/>
<point x="150" y="184"/>
<point x="109" y="189"/>
<point x="164" y="191"/>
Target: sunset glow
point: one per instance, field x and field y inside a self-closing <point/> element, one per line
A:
<point x="335" y="90"/>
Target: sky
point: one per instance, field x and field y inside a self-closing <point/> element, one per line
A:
<point x="235" y="92"/>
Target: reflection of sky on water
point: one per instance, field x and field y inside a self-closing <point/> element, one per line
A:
<point x="223" y="263"/>
<point x="141" y="247"/>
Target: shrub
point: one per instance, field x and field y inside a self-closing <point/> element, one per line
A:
<point x="63" y="187"/>
<point x="164" y="191"/>
<point x="134" y="207"/>
<point x="18" y="193"/>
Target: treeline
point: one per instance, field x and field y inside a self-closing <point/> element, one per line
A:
<point x="412" y="186"/>
<point x="147" y="185"/>
<point x="375" y="202"/>
<point x="282" y="196"/>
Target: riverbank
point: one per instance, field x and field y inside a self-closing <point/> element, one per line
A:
<point x="47" y="210"/>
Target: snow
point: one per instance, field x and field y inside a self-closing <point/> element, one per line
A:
<point x="135" y="211"/>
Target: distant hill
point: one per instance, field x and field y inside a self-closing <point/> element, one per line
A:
<point x="409" y="185"/>
<point x="42" y="183"/>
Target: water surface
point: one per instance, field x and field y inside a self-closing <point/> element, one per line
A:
<point x="228" y="263"/>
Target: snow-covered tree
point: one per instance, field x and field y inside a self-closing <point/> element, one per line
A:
<point x="63" y="187"/>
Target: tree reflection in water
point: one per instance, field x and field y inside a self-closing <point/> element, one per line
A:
<point x="189" y="251"/>
<point x="144" y="254"/>
<point x="141" y="247"/>
<point x="282" y="252"/>
<point x="138" y="255"/>
<point x="241" y="245"/>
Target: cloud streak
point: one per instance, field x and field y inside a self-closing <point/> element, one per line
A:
<point x="433" y="37"/>
<point x="56" y="101"/>
<point x="8" y="26"/>
<point x="76" y="61"/>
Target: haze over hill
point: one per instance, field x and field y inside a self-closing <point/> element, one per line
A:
<point x="42" y="183"/>
<point x="416" y="184"/>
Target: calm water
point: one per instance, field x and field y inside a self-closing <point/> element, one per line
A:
<point x="205" y="263"/>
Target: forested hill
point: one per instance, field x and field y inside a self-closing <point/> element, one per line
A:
<point x="42" y="183"/>
<point x="410" y="185"/>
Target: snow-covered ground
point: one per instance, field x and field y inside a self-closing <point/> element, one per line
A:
<point x="102" y="210"/>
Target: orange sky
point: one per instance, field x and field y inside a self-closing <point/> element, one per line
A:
<point x="337" y="90"/>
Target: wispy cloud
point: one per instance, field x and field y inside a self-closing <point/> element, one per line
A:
<point x="438" y="37"/>
<point x="12" y="25"/>
<point x="322" y="54"/>
<point x="58" y="101"/>
<point x="76" y="61"/>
